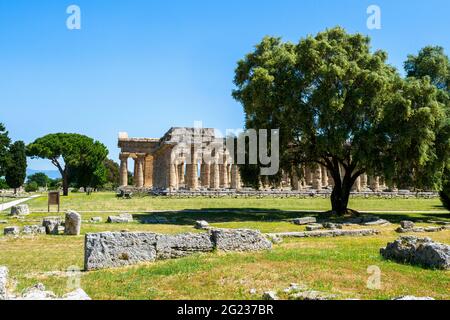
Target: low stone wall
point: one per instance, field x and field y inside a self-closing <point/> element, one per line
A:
<point x="117" y="249"/>
<point x="326" y="233"/>
<point x="419" y="251"/>
<point x="302" y="194"/>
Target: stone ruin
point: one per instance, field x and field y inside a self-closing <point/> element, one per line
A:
<point x="418" y="251"/>
<point x="117" y="249"/>
<point x="37" y="292"/>
<point x="20" y="210"/>
<point x="195" y="160"/>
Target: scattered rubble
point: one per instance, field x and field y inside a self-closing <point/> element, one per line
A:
<point x="418" y="251"/>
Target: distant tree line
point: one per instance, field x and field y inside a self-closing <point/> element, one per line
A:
<point x="81" y="161"/>
<point x="13" y="161"/>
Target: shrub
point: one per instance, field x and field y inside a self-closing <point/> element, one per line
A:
<point x="31" y="187"/>
<point x="445" y="196"/>
<point x="3" y="184"/>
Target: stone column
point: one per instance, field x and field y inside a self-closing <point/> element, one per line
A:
<point x="317" y="180"/>
<point x="215" y="176"/>
<point x="235" y="178"/>
<point x="308" y="176"/>
<point x="148" y="172"/>
<point x="124" y="169"/>
<point x="223" y="173"/>
<point x="205" y="174"/>
<point x="173" y="176"/>
<point x="139" y="163"/>
<point x="295" y="182"/>
<point x="357" y="185"/>
<point x="180" y="171"/>
<point x="363" y="181"/>
<point x="324" y="176"/>
<point x="375" y="184"/>
<point x="192" y="172"/>
<point x="330" y="179"/>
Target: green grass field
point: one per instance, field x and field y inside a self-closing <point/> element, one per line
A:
<point x="337" y="265"/>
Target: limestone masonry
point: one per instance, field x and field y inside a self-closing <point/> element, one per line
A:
<point x="116" y="249"/>
<point x="194" y="159"/>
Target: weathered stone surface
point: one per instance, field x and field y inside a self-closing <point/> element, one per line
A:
<point x="270" y="295"/>
<point x="407" y="224"/>
<point x="274" y="238"/>
<point x="314" y="226"/>
<point x="51" y="224"/>
<point x="72" y="225"/>
<point x="20" y="210"/>
<point x="304" y="220"/>
<point x="312" y="295"/>
<point x="327" y="233"/>
<point x="121" y="218"/>
<point x="3" y="282"/>
<point x="418" y="251"/>
<point x="201" y="224"/>
<point x="37" y="292"/>
<point x="11" y="231"/>
<point x="433" y="229"/>
<point x="116" y="249"/>
<point x="330" y="225"/>
<point x="78" y="294"/>
<point x="413" y="298"/>
<point x="440" y="222"/>
<point x="240" y="240"/>
<point x="420" y="229"/>
<point x="377" y="222"/>
<point x="34" y="229"/>
<point x="179" y="245"/>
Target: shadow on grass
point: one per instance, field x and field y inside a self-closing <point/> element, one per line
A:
<point x="220" y="215"/>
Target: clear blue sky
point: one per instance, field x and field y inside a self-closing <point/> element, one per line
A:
<point x="145" y="66"/>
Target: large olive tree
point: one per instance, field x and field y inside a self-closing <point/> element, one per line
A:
<point x="340" y="105"/>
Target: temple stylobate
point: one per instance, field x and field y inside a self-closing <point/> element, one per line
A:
<point x="195" y="159"/>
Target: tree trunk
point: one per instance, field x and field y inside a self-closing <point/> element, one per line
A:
<point x="341" y="190"/>
<point x="65" y="184"/>
<point x="339" y="199"/>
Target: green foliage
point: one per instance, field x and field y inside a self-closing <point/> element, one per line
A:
<point x="112" y="172"/>
<point x="430" y="61"/>
<point x="81" y="157"/>
<point x="4" y="145"/>
<point x="432" y="64"/>
<point x="250" y="175"/>
<point x="339" y="105"/>
<point x="31" y="186"/>
<point x="40" y="178"/>
<point x="3" y="184"/>
<point x="54" y="184"/>
<point x="16" y="165"/>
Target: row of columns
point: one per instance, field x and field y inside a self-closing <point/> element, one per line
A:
<point x="319" y="177"/>
<point x="162" y="172"/>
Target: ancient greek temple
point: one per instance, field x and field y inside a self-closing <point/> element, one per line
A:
<point x="195" y="159"/>
<point x="184" y="158"/>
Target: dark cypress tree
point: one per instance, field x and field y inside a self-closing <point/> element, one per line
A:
<point x="16" y="165"/>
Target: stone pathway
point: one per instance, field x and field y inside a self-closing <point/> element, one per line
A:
<point x="7" y="205"/>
